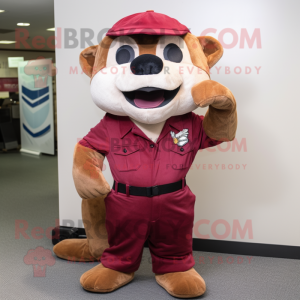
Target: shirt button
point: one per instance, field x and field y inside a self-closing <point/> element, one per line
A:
<point x="181" y="149"/>
<point x="151" y="146"/>
<point x="124" y="150"/>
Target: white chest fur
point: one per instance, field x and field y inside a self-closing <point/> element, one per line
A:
<point x="152" y="131"/>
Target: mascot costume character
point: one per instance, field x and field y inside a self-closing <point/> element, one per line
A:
<point x="148" y="73"/>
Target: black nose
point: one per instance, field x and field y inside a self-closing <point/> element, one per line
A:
<point x="146" y="64"/>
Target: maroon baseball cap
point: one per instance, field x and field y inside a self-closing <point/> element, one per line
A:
<point x="148" y="22"/>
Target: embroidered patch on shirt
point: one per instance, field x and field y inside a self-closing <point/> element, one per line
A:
<point x="180" y="138"/>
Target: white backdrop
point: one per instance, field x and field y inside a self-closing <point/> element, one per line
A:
<point x="262" y="188"/>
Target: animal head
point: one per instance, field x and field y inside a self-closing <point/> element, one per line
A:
<point x="148" y="74"/>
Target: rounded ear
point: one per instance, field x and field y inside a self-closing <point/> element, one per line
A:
<point x="87" y="60"/>
<point x="212" y="49"/>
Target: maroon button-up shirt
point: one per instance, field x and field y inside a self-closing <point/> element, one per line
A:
<point x="136" y="160"/>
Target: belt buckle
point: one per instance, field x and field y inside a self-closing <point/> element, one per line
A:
<point x="152" y="191"/>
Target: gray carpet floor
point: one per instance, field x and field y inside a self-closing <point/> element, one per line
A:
<point x="29" y="192"/>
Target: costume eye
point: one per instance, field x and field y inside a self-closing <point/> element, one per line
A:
<point x="124" y="55"/>
<point x="173" y="53"/>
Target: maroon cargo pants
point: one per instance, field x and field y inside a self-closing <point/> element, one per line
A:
<point x="165" y="221"/>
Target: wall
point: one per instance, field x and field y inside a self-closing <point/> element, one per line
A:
<point x="261" y="190"/>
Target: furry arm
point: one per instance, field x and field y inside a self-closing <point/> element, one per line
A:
<point x="87" y="173"/>
<point x="220" y="121"/>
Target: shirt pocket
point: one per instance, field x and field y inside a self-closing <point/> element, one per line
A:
<point x="127" y="158"/>
<point x="181" y="157"/>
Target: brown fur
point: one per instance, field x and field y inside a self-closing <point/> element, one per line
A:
<point x="212" y="49"/>
<point x="147" y="43"/>
<point x="87" y="59"/>
<point x="205" y="51"/>
<point x="197" y="55"/>
<point x="89" y="249"/>
<point x="186" y="284"/>
<point x="220" y="122"/>
<point x="110" y="279"/>
<point x="93" y="217"/>
<point x="88" y="177"/>
<point x="74" y="250"/>
<point x="93" y="59"/>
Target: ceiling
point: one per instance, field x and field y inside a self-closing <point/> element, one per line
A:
<point x="39" y="13"/>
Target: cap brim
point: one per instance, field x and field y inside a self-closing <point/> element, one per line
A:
<point x="149" y="31"/>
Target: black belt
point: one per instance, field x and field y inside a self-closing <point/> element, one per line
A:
<point x="150" y="191"/>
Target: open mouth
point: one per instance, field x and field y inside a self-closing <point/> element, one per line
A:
<point x="150" y="97"/>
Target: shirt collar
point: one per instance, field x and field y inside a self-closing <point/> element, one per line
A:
<point x="174" y="122"/>
<point x="125" y="126"/>
<point x="171" y="123"/>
